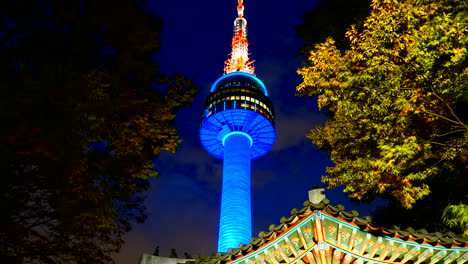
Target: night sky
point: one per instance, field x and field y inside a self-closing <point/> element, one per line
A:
<point x="183" y="202"/>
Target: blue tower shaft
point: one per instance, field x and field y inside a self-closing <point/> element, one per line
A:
<point x="235" y="220"/>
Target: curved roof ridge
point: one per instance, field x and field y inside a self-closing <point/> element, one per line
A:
<point x="265" y="238"/>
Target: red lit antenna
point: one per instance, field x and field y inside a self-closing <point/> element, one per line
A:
<point x="239" y="61"/>
<point x="240" y="8"/>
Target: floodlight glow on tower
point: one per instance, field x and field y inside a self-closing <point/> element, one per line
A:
<point x="237" y="127"/>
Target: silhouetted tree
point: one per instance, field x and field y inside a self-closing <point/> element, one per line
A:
<point x="84" y="111"/>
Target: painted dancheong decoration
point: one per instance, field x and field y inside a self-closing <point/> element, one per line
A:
<point x="320" y="233"/>
<point x="237" y="127"/>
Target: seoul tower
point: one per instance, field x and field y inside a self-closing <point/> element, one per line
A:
<point x="237" y="127"/>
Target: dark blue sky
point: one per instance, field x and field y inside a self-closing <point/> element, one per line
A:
<point x="184" y="200"/>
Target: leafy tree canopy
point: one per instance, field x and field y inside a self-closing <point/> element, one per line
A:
<point x="397" y="103"/>
<point x="84" y="111"/>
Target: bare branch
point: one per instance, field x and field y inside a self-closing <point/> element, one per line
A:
<point x="450" y="109"/>
<point x="451" y="132"/>
<point x="446" y="118"/>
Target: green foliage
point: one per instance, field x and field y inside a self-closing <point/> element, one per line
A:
<point x="85" y="110"/>
<point x="397" y="103"/>
<point x="457" y="216"/>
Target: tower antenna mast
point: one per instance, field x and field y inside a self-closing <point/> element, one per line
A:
<point x="239" y="61"/>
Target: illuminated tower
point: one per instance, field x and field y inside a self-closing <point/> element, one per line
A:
<point x="237" y="127"/>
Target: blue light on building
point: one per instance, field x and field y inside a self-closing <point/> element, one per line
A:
<point x="235" y="220"/>
<point x="237" y="127"/>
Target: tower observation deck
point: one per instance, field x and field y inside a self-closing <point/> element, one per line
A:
<point x="237" y="127"/>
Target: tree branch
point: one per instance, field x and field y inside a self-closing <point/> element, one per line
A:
<point x="446" y="118"/>
<point x="451" y="132"/>
<point x="451" y="110"/>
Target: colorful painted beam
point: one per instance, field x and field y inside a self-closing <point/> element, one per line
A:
<point x="325" y="234"/>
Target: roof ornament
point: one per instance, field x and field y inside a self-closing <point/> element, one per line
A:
<point x="316" y="195"/>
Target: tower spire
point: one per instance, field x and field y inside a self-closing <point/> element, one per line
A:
<point x="240" y="8"/>
<point x="237" y="127"/>
<point x="239" y="61"/>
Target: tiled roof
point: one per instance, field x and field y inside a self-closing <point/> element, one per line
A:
<point x="344" y="234"/>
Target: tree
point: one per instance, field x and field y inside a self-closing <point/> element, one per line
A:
<point x="456" y="216"/>
<point x="85" y="110"/>
<point x="397" y="102"/>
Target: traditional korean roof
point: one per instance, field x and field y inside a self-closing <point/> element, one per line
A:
<point x="325" y="234"/>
